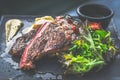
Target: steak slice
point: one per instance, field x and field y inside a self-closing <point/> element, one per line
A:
<point x="51" y="38"/>
<point x="32" y="51"/>
<point x="21" y="42"/>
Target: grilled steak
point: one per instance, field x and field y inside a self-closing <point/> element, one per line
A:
<point x="50" y="39"/>
<point x="32" y="51"/>
<point x="21" y="42"/>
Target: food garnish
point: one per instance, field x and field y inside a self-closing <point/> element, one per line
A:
<point x="90" y="51"/>
<point x="95" y="25"/>
<point x="42" y="20"/>
<point x="11" y="28"/>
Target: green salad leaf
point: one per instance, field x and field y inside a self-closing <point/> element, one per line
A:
<point x="86" y="53"/>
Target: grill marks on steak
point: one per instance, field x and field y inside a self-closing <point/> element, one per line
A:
<point x="21" y="43"/>
<point x="50" y="39"/>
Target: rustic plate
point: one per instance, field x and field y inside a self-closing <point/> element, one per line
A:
<point x="48" y="68"/>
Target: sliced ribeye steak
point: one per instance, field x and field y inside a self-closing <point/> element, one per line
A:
<point x="51" y="38"/>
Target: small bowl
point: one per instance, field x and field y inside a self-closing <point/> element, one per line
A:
<point x="95" y="13"/>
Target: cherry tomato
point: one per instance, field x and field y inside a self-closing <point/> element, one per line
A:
<point x="95" y="26"/>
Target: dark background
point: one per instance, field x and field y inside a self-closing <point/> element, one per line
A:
<point x="55" y="7"/>
<point x="38" y="7"/>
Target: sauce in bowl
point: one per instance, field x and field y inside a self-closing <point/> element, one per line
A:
<point x="95" y="13"/>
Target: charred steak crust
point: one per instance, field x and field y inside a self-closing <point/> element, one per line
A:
<point x="21" y="43"/>
<point x="50" y="39"/>
<point x="31" y="51"/>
